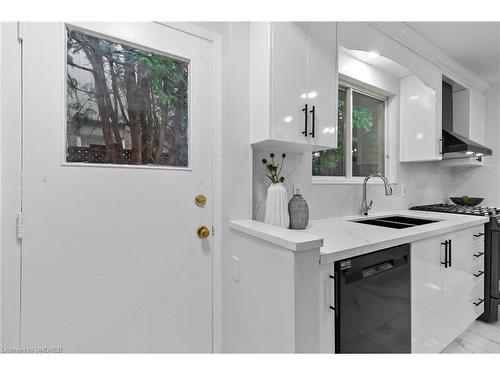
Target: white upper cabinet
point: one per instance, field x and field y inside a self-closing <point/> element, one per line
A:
<point x="322" y="82"/>
<point x="420" y="89"/>
<point x="469" y="106"/>
<point x="293" y="84"/>
<point x="420" y="128"/>
<point x="288" y="80"/>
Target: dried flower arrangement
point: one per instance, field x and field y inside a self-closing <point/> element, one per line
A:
<point x="274" y="168"/>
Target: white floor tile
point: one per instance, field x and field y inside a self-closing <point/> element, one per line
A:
<point x="480" y="337"/>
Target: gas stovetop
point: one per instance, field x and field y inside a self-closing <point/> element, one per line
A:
<point x="455" y="209"/>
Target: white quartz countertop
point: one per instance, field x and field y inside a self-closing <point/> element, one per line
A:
<point x="344" y="238"/>
<point x="341" y="238"/>
<point x="295" y="240"/>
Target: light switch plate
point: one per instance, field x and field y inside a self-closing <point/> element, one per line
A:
<point x="235" y="266"/>
<point x="404" y="190"/>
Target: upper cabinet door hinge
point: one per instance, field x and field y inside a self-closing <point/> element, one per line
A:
<point x="20" y="31"/>
<point x="20" y="226"/>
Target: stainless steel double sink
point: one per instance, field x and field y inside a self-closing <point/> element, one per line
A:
<point x="396" y="222"/>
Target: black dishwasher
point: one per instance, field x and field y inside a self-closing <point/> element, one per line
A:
<point x="372" y="302"/>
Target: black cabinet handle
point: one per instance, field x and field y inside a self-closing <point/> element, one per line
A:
<point x="478" y="254"/>
<point x="313" y="113"/>
<point x="336" y="294"/>
<point x="306" y="114"/>
<point x="481" y="300"/>
<point x="449" y="253"/>
<point x="445" y="263"/>
<point x="478" y="235"/>
<point x="333" y="278"/>
<point x="478" y="274"/>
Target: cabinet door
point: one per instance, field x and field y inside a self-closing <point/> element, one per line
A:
<point x="420" y="132"/>
<point x="477" y="116"/>
<point x="288" y="81"/>
<point x="429" y="304"/>
<point x="442" y="296"/>
<point x="322" y="82"/>
<point x="458" y="282"/>
<point x="326" y="314"/>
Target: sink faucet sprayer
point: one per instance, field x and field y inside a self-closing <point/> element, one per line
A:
<point x="388" y="191"/>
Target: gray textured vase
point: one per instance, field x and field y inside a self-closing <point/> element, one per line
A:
<point x="299" y="212"/>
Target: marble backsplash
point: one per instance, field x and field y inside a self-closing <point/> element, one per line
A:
<point x="426" y="183"/>
<point x="293" y="171"/>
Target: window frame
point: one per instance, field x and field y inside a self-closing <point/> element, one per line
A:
<point x="349" y="179"/>
<point x="139" y="45"/>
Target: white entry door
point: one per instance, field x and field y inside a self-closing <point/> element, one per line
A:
<point x="118" y="119"/>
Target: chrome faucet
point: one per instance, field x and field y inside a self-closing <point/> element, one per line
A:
<point x="388" y="191"/>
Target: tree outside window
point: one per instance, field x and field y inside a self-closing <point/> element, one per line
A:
<point x="125" y="105"/>
<point x="367" y="133"/>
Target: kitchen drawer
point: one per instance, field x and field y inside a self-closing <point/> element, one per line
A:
<point x="478" y="254"/>
<point x="478" y="238"/>
<point x="477" y="298"/>
<point x="478" y="286"/>
<point x="477" y="270"/>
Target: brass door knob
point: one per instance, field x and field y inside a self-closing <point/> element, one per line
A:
<point x="203" y="232"/>
<point x="200" y="200"/>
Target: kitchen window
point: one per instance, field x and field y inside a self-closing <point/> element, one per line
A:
<point x="361" y="138"/>
<point x="124" y="104"/>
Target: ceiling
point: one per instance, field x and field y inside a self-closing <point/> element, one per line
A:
<point x="388" y="66"/>
<point x="474" y="44"/>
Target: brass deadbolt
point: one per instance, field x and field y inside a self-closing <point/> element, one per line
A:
<point x="203" y="232"/>
<point x="200" y="200"/>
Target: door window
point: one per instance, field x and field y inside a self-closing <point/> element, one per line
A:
<point x="125" y="105"/>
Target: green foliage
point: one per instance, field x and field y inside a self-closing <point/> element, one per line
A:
<point x="331" y="162"/>
<point x="161" y="89"/>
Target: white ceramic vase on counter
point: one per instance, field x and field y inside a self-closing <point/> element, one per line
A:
<point x="277" y="206"/>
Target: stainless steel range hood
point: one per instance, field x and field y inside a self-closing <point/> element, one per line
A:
<point x="455" y="145"/>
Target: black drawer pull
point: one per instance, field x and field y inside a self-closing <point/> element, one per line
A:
<point x="332" y="308"/>
<point x="478" y="235"/>
<point x="481" y="300"/>
<point x="478" y="254"/>
<point x="306" y="114"/>
<point x="313" y="113"/>
<point x="447" y="253"/>
<point x="478" y="274"/>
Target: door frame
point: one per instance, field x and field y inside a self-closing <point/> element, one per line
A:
<point x="11" y="116"/>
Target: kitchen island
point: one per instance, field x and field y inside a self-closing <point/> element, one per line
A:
<point x="296" y="300"/>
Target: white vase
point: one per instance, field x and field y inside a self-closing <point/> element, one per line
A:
<point x="277" y="206"/>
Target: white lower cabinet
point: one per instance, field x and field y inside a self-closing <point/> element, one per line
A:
<point x="326" y="314"/>
<point x="447" y="288"/>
